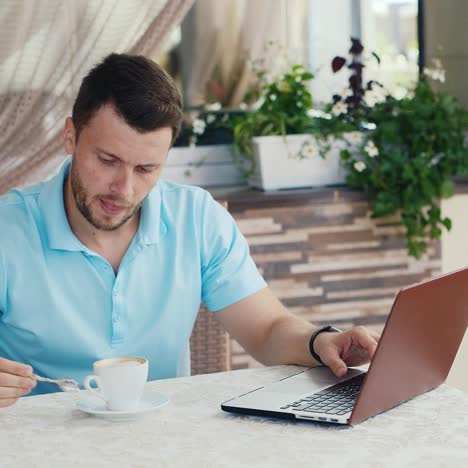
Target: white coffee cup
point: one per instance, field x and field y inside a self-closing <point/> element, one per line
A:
<point x="120" y="382"/>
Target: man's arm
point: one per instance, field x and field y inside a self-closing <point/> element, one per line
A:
<point x="272" y="335"/>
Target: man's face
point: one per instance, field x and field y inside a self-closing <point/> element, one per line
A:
<point x="113" y="167"/>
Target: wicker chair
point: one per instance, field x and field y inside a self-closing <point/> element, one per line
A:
<point x="210" y="349"/>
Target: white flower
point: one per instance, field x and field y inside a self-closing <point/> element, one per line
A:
<point x="314" y="113"/>
<point x="199" y="126"/>
<point x="437" y="73"/>
<point x="371" y="149"/>
<point x="210" y="118"/>
<point x="242" y="106"/>
<point x="192" y="141"/>
<point x="400" y="92"/>
<point x="298" y="79"/>
<point x="436" y="159"/>
<point x="353" y="138"/>
<point x="429" y="72"/>
<point x="369" y="125"/>
<point x="345" y="92"/>
<point x="440" y="75"/>
<point x="338" y="109"/>
<point x="374" y="96"/>
<point x="308" y="151"/>
<point x="299" y="104"/>
<point x="215" y="106"/>
<point x="273" y="97"/>
<point x="359" y="166"/>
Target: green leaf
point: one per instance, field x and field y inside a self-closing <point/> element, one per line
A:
<point x="447" y="222"/>
<point x="447" y="188"/>
<point x="345" y="155"/>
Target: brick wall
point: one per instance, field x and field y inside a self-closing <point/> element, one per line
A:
<point x="325" y="258"/>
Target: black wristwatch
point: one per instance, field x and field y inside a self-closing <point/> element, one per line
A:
<point x="326" y="328"/>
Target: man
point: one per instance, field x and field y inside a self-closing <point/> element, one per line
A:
<point x="107" y="259"/>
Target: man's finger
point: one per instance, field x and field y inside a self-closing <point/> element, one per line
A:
<point x="362" y="338"/>
<point x="331" y="357"/>
<point x="13" y="392"/>
<point x="7" y="402"/>
<point x="15" y="368"/>
<point x="375" y="335"/>
<point x="9" y="380"/>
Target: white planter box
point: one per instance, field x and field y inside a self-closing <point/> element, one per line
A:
<point x="206" y="166"/>
<point x="278" y="165"/>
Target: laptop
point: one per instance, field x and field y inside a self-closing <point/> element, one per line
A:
<point x="417" y="348"/>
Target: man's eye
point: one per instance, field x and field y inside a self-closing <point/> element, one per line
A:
<point x="107" y="161"/>
<point x="144" y="170"/>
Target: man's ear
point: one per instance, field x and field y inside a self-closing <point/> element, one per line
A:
<point x="69" y="136"/>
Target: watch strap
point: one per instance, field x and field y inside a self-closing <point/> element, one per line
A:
<point x="326" y="328"/>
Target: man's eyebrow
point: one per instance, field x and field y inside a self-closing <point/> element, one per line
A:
<point x="112" y="155"/>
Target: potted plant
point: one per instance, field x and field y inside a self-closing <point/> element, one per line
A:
<point x="278" y="145"/>
<point x="201" y="154"/>
<point x="410" y="149"/>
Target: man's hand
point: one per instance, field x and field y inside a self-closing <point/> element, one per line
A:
<point x="15" y="381"/>
<point x="354" y="347"/>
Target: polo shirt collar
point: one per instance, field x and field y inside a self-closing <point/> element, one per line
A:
<point x="59" y="233"/>
<point x="152" y="225"/>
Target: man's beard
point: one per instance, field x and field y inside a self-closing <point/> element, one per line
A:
<point x="80" y="194"/>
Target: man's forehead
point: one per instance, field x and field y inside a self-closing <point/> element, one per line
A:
<point x="107" y="133"/>
<point x="108" y="117"/>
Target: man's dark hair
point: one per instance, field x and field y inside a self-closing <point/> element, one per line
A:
<point x="142" y="93"/>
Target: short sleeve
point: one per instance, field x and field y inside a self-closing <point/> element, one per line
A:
<point x="3" y="286"/>
<point x="229" y="273"/>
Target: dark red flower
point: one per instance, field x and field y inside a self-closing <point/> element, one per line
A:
<point x="337" y="64"/>
<point x="356" y="46"/>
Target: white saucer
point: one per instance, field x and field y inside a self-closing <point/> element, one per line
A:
<point x="94" y="405"/>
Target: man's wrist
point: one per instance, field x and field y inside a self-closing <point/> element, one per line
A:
<point x="324" y="329"/>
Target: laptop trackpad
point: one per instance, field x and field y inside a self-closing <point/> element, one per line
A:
<point x="309" y="381"/>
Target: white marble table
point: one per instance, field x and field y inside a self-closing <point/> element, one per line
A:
<point x="192" y="431"/>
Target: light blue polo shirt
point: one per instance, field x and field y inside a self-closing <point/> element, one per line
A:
<point x="62" y="307"/>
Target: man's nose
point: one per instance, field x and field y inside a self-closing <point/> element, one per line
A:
<point x="123" y="183"/>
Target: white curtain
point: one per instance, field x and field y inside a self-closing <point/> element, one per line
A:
<point x="215" y="53"/>
<point x="46" y="47"/>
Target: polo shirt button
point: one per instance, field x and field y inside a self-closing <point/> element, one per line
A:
<point x="105" y="268"/>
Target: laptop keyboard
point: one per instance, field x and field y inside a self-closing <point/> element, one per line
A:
<point x="337" y="400"/>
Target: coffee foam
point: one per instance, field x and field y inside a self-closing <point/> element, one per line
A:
<point x="120" y="362"/>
